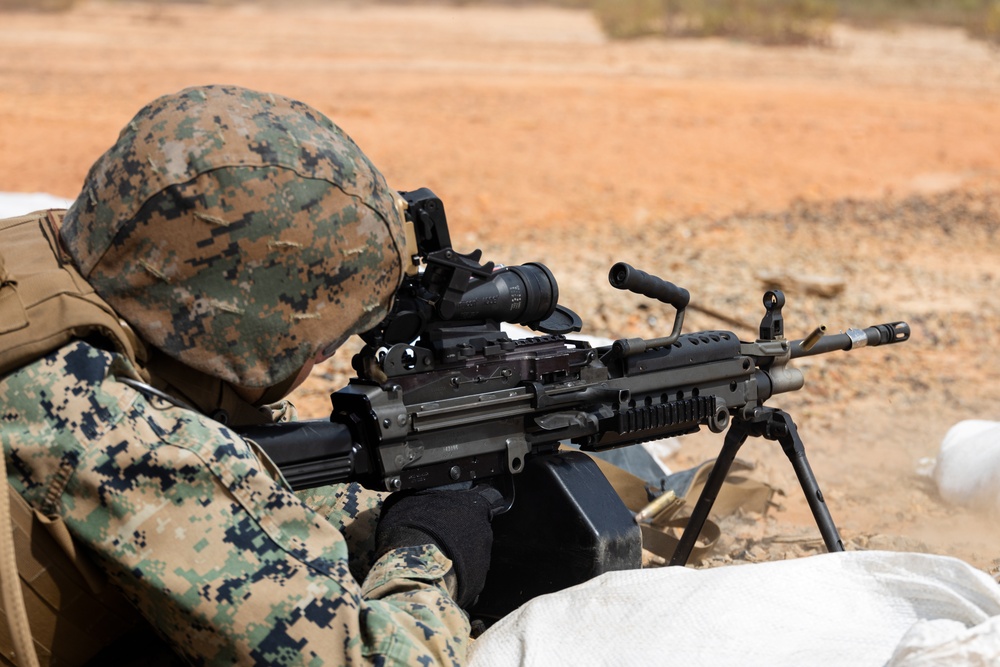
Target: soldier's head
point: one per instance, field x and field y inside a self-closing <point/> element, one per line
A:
<point x="241" y="233"/>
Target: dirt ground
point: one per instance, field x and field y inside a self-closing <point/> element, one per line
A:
<point x="873" y="165"/>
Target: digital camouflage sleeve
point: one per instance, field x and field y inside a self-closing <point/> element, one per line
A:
<point x="224" y="561"/>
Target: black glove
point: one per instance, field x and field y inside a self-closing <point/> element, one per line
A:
<point x="456" y="521"/>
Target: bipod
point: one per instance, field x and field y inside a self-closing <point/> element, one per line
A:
<point x="772" y="424"/>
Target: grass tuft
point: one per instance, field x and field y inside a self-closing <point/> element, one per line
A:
<point x="789" y="22"/>
<point x="761" y="21"/>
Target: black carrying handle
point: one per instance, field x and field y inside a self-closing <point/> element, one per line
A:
<point x="625" y="277"/>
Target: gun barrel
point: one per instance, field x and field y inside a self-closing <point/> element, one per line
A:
<point x="879" y="334"/>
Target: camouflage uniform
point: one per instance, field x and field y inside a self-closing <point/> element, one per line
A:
<point x="272" y="254"/>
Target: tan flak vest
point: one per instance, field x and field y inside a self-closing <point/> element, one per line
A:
<point x="71" y="610"/>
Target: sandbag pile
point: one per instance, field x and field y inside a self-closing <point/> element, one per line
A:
<point x="849" y="608"/>
<point x="20" y="203"/>
<point x="967" y="470"/>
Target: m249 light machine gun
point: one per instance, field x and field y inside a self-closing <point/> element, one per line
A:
<point x="443" y="396"/>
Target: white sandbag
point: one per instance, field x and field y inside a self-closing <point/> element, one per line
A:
<point x="946" y="642"/>
<point x="834" y="609"/>
<point x="18" y="203"/>
<point x="967" y="470"/>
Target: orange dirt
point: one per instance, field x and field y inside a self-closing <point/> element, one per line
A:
<point x="547" y="142"/>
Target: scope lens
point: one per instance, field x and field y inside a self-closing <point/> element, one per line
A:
<point x="519" y="294"/>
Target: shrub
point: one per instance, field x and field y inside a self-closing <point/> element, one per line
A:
<point x="987" y="24"/>
<point x="623" y="19"/>
<point x="37" y="5"/>
<point x="761" y="21"/>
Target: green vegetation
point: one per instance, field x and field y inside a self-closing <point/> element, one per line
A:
<point x="792" y="22"/>
<point x="953" y="13"/>
<point x="787" y="21"/>
<point x="37" y="5"/>
<point x="764" y="21"/>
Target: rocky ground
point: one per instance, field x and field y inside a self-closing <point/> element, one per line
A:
<point x="863" y="178"/>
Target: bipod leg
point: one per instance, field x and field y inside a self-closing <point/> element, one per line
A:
<point x="780" y="427"/>
<point x="738" y="433"/>
<point x="771" y="424"/>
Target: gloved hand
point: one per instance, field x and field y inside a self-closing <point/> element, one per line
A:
<point x="457" y="521"/>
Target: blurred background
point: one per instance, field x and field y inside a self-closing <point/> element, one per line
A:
<point x="845" y="151"/>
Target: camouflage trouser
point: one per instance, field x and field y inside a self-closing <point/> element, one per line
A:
<point x="226" y="564"/>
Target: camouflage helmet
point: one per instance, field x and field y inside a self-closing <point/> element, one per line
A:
<point x="239" y="232"/>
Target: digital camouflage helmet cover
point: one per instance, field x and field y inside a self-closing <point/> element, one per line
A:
<point x="239" y="232"/>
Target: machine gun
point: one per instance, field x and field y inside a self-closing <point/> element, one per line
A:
<point x="443" y="396"/>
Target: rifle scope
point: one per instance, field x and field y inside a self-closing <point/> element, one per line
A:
<point x="527" y="294"/>
<point x="518" y="294"/>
